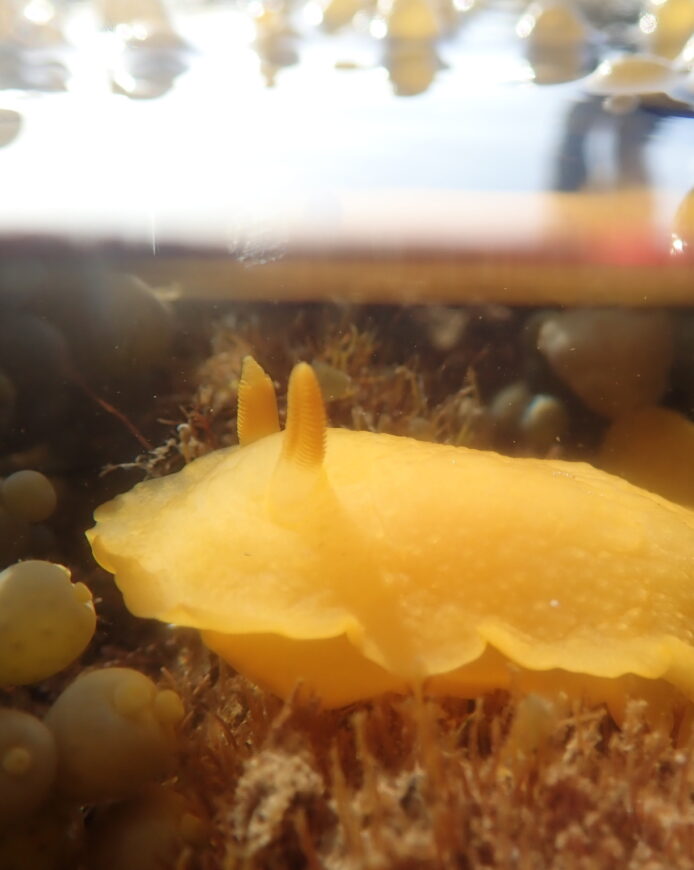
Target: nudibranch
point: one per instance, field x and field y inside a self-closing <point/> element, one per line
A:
<point x="354" y="563"/>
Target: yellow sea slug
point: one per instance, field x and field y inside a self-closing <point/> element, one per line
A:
<point x="355" y="563"/>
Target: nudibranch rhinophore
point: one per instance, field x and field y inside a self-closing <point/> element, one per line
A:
<point x="355" y="563"/>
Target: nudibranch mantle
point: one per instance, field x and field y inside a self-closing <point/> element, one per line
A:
<point x="356" y="563"/>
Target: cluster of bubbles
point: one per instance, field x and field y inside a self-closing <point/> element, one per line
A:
<point x="107" y="741"/>
<point x="27" y="498"/>
<point x="104" y="748"/>
<point x="618" y="366"/>
<point x="611" y="361"/>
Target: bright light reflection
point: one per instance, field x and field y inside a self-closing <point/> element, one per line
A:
<point x="525" y="26"/>
<point x="378" y="28"/>
<point x="125" y="81"/>
<point x="678" y="245"/>
<point x="687" y="55"/>
<point x="39" y="12"/>
<point x="494" y="69"/>
<point x="134" y="31"/>
<point x="242" y="29"/>
<point x="312" y="14"/>
<point x="648" y="23"/>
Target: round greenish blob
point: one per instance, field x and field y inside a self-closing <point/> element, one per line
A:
<point x="27" y="764"/>
<point x="29" y="496"/>
<point x="115" y="732"/>
<point x="146" y="831"/>
<point x="508" y="405"/>
<point x="544" y="422"/>
<point x="46" y="621"/>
